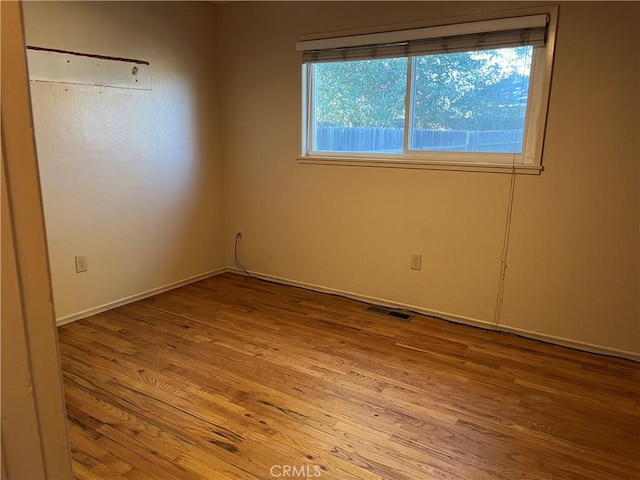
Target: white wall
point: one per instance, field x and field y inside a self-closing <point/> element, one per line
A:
<point x="131" y="178"/>
<point x="573" y="264"/>
<point x="574" y="260"/>
<point x="135" y="179"/>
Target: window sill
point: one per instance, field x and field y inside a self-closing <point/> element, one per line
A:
<point x="421" y="165"/>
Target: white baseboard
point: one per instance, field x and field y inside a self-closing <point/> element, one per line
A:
<point x="564" y="342"/>
<point x="575" y="344"/>
<point x="139" y="296"/>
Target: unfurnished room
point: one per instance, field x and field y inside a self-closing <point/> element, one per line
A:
<point x="340" y="240"/>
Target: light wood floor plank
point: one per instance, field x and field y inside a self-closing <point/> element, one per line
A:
<point x="232" y="377"/>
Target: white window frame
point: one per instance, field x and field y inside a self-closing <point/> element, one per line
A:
<point x="527" y="162"/>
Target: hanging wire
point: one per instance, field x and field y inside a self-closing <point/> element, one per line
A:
<point x="237" y="257"/>
<point x="512" y="186"/>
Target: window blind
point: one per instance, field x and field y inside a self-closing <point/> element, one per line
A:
<point x="482" y="35"/>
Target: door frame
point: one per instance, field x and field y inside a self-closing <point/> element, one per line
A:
<point x="34" y="431"/>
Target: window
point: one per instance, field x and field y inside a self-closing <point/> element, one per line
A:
<point x="469" y="95"/>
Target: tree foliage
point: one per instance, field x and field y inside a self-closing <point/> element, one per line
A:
<point x="485" y="90"/>
<point x="364" y="93"/>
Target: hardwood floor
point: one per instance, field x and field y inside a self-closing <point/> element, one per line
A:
<point x="235" y="378"/>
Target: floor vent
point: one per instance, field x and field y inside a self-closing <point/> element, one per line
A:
<point x="389" y="312"/>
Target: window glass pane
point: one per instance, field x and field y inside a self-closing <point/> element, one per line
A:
<point x="470" y="101"/>
<point x="359" y="106"/>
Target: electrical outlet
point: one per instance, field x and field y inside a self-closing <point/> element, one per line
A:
<point x="81" y="263"/>
<point x="240" y="235"/>
<point x="416" y="261"/>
